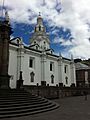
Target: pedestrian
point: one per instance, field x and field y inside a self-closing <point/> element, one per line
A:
<point x="85" y="94"/>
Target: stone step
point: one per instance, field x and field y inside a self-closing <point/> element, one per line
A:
<point x="22" y="104"/>
<point x="19" y="100"/>
<point x="17" y="111"/>
<point x="31" y="112"/>
<point x="14" y="103"/>
<point x="18" y="97"/>
<point x="3" y="95"/>
<point x="14" y="108"/>
<point x="4" y="92"/>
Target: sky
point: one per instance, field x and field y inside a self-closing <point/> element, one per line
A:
<point x="67" y="23"/>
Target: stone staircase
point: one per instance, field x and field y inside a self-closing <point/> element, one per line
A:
<point x="15" y="103"/>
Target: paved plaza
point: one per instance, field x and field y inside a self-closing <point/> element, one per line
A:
<point x="71" y="108"/>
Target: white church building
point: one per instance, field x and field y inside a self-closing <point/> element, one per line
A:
<point x="38" y="62"/>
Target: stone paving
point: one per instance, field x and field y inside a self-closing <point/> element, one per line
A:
<point x="71" y="108"/>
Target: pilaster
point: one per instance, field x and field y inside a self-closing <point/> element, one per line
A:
<point x="43" y="65"/>
<point x="60" y="71"/>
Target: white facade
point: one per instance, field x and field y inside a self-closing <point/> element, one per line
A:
<point x="38" y="63"/>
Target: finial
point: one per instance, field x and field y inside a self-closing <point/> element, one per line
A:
<point x="72" y="59"/>
<point x="60" y="54"/>
<point x="6" y="16"/>
<point x="39" y="13"/>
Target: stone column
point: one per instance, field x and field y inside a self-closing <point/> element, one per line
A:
<point x="5" y="32"/>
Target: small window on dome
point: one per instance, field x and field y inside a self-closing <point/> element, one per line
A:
<point x="44" y="48"/>
<point x="36" y="47"/>
<point x="34" y="42"/>
<point x="51" y="52"/>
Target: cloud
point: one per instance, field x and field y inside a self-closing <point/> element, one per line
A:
<point x="76" y="13"/>
<point x="11" y="37"/>
<point x="80" y="51"/>
<point x="58" y="40"/>
<point x="69" y="14"/>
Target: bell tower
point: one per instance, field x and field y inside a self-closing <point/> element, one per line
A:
<point x="40" y="39"/>
<point x="5" y="32"/>
<point x="39" y="27"/>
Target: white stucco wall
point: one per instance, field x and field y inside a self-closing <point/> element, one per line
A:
<point x="27" y="70"/>
<point x="57" y="73"/>
<point x="54" y="72"/>
<point x="67" y="74"/>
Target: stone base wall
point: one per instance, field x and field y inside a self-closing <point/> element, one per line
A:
<point x="49" y="92"/>
<point x="54" y="92"/>
<point x="4" y="81"/>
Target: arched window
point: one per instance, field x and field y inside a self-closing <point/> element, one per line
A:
<point x="52" y="79"/>
<point x="39" y="28"/>
<point x="32" y="76"/>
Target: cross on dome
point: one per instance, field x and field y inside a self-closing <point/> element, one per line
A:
<point x="39" y="13"/>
